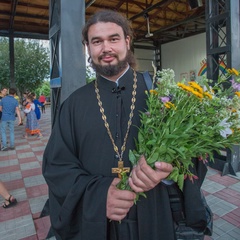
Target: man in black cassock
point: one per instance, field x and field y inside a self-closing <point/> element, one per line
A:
<point x="85" y="203"/>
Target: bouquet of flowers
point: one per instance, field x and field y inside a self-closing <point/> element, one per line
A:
<point x="186" y="120"/>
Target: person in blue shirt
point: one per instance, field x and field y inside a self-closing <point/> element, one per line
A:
<point x="8" y="107"/>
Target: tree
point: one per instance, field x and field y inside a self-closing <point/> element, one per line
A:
<point x="90" y="75"/>
<point x="31" y="61"/>
<point x="44" y="89"/>
<point x="4" y="63"/>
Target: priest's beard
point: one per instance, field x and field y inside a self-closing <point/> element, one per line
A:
<point x="112" y="70"/>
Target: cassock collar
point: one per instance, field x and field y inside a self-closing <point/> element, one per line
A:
<point x="125" y="81"/>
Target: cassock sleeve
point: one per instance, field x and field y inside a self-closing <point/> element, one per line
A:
<point x="77" y="199"/>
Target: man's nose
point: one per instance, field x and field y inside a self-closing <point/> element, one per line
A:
<point x="106" y="46"/>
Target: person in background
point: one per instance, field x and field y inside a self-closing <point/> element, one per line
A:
<point x="37" y="103"/>
<point x="32" y="124"/>
<point x="24" y="103"/>
<point x="42" y="99"/>
<point x="3" y="93"/>
<point x="10" y="201"/>
<point x="9" y="106"/>
<point x="17" y="98"/>
<point x="93" y="133"/>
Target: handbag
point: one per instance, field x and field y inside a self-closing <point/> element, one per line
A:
<point x="182" y="229"/>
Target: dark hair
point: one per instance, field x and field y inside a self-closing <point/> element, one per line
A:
<point x="4" y="88"/>
<point x="108" y="16"/>
<point x="30" y="96"/>
<point x="12" y="91"/>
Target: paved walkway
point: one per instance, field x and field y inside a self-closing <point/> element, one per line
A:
<point x="20" y="170"/>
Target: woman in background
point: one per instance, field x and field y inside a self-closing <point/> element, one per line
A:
<point x="32" y="125"/>
<point x="37" y="103"/>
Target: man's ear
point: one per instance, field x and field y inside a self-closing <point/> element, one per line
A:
<point x="128" y="41"/>
<point x="88" y="50"/>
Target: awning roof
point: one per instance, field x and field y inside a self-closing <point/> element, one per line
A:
<point x="168" y="20"/>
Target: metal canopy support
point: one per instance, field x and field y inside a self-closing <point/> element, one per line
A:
<point x="68" y="65"/>
<point x="12" y="64"/>
<point x="222" y="33"/>
<point x="235" y="33"/>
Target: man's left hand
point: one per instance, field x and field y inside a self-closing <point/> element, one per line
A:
<point x="143" y="178"/>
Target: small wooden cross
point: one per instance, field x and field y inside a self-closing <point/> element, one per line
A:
<point x="120" y="169"/>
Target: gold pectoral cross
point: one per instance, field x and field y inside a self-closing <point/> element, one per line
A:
<point x="120" y="169"/>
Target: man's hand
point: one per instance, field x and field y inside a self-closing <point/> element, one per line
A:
<point x="143" y="178"/>
<point x="119" y="201"/>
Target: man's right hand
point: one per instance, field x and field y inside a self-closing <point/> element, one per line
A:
<point x="119" y="201"/>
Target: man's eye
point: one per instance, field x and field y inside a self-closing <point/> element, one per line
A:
<point x="96" y="42"/>
<point x="114" y="39"/>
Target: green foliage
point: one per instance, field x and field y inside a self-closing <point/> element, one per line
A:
<point x="44" y="89"/>
<point x="4" y="63"/>
<point x="31" y="61"/>
<point x="90" y="75"/>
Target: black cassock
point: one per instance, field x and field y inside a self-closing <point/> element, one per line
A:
<point x="78" y="162"/>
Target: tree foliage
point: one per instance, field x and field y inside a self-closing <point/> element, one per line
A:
<point x="4" y="63"/>
<point x="31" y="61"/>
<point x="90" y="75"/>
<point x="44" y="89"/>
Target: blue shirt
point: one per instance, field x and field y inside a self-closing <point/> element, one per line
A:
<point x="9" y="104"/>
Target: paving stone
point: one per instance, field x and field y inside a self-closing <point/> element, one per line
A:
<point x="30" y="165"/>
<point x="40" y="148"/>
<point x="34" y="181"/>
<point x="17" y="228"/>
<point x="236" y="187"/>
<point x="6" y="177"/>
<point x="26" y="155"/>
<point x="212" y="187"/>
<point x="9" y="163"/>
<point x="37" y="204"/>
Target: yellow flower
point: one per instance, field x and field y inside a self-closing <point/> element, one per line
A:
<point x="198" y="94"/>
<point x="152" y="91"/>
<point x="234" y="71"/>
<point x="207" y="94"/>
<point x="185" y="87"/>
<point x="196" y="86"/>
<point x="230" y="71"/>
<point x="180" y="84"/>
<point x="169" y="105"/>
<point x="237" y="93"/>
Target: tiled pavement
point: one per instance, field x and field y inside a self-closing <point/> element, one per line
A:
<point x="20" y="170"/>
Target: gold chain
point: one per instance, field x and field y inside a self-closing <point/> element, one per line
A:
<point x="120" y="156"/>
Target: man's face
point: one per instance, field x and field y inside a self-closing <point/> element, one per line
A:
<point x="108" y="48"/>
<point x="4" y="92"/>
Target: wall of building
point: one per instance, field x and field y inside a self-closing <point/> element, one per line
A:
<point x="186" y="57"/>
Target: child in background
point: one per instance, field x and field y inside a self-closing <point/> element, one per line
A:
<point x="32" y="125"/>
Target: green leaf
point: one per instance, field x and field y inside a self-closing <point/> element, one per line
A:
<point x="180" y="181"/>
<point x="132" y="157"/>
<point x="153" y="158"/>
